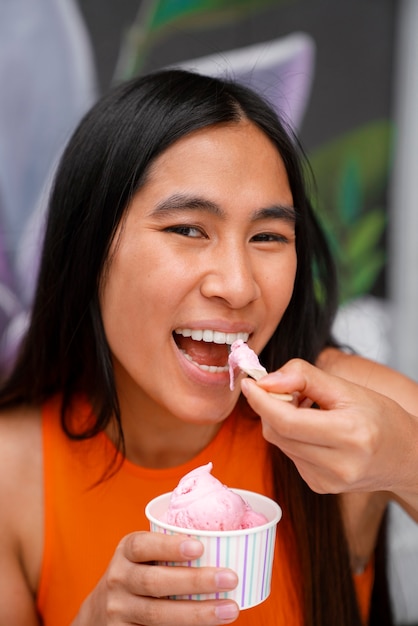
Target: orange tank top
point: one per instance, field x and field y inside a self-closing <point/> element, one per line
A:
<point x="85" y="519"/>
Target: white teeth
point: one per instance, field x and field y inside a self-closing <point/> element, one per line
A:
<point x="210" y="336"/>
<point x="219" y="337"/>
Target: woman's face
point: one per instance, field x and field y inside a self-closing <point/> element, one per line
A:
<point x="205" y="255"/>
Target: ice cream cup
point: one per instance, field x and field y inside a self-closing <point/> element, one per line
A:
<point x="248" y="552"/>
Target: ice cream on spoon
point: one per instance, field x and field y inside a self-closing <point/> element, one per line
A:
<point x="245" y="359"/>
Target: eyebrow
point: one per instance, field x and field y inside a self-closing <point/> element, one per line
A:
<point x="278" y="211"/>
<point x="178" y="202"/>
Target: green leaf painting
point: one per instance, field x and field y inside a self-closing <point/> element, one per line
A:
<point x="351" y="171"/>
<point x="351" y="174"/>
<point x="156" y="17"/>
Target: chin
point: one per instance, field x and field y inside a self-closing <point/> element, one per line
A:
<point x="200" y="411"/>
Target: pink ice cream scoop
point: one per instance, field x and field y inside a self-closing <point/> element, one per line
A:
<point x="201" y="502"/>
<point x="246" y="359"/>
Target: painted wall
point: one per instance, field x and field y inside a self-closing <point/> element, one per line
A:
<point x="341" y="71"/>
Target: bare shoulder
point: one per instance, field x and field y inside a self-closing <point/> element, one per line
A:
<point x="354" y="367"/>
<point x="373" y="375"/>
<point x="21" y="514"/>
<point x="20" y="450"/>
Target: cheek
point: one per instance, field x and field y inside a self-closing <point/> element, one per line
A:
<point x="121" y="299"/>
<point x="291" y="276"/>
<point x="281" y="278"/>
<point x="138" y="295"/>
<point x="278" y="289"/>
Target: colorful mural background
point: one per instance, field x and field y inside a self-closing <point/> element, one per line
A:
<point x="48" y="80"/>
<point x="327" y="64"/>
<point x="342" y="97"/>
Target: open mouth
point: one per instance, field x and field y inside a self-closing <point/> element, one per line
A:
<point x="207" y="349"/>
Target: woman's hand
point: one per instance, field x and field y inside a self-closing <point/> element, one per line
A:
<point x="133" y="591"/>
<point x="360" y="440"/>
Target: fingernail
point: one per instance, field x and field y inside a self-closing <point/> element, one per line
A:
<point x="226" y="579"/>
<point x="191" y="549"/>
<point x="226" y="611"/>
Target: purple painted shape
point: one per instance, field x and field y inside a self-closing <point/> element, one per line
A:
<point x="282" y="70"/>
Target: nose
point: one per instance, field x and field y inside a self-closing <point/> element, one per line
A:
<point x="231" y="277"/>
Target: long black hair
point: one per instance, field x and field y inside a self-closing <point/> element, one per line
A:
<point x="65" y="349"/>
<point x="103" y="166"/>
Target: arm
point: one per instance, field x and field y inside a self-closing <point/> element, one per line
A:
<point x="19" y="520"/>
<point x="361" y="441"/>
<point x="17" y="604"/>
<point x="371" y="375"/>
<point x="396" y="386"/>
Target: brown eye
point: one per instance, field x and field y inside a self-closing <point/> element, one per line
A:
<point x="269" y="237"/>
<point x="186" y="231"/>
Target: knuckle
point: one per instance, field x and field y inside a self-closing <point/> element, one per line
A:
<point x="346" y="476"/>
<point x="369" y="439"/>
<point x="316" y="482"/>
<point x="201" y="612"/>
<point x="203" y="580"/>
<point x="150" y="577"/>
<point x="135" y="544"/>
<point x="112" y="610"/>
<point x="363" y="436"/>
<point x="298" y="365"/>
<point x="320" y="488"/>
<point x="153" y="611"/>
<point x="113" y="579"/>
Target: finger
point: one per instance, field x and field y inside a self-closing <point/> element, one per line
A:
<point x="283" y="421"/>
<point x="300" y="376"/>
<point x="142" y="547"/>
<point x="284" y="424"/>
<point x="168" y="580"/>
<point x="187" y="613"/>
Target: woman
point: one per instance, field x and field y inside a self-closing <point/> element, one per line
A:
<point x="178" y="222"/>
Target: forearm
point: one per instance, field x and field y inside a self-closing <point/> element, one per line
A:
<point x="404" y="489"/>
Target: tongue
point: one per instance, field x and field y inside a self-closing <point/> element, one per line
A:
<point x="203" y="352"/>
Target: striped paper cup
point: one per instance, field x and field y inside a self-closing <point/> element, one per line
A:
<point x="248" y="552"/>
